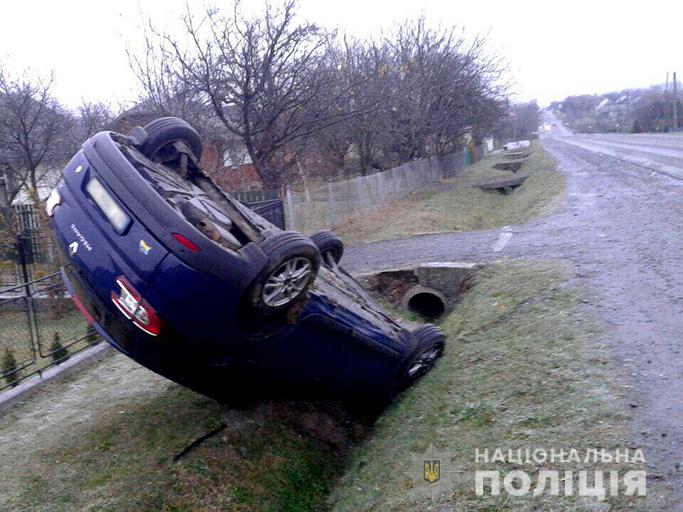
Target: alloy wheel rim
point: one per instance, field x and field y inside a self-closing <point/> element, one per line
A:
<point x="287" y="282"/>
<point x="424" y="362"/>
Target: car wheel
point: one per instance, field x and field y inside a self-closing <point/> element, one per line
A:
<point x="430" y="346"/>
<point x="331" y="248"/>
<point x="293" y="263"/>
<point x="166" y="130"/>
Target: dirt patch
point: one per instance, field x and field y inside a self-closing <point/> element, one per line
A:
<point x="390" y="286"/>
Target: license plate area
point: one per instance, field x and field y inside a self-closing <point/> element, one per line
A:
<point x="118" y="219"/>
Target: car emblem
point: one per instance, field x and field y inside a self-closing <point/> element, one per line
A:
<point x="79" y="169"/>
<point x="73" y="248"/>
<point x="144" y="247"/>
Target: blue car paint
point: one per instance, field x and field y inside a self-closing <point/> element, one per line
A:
<point x="202" y="344"/>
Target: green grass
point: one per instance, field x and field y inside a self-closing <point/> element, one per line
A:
<point x="522" y="370"/>
<point x="463" y="207"/>
<point x="275" y="456"/>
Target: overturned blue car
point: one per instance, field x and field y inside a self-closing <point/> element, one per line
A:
<point x="192" y="284"/>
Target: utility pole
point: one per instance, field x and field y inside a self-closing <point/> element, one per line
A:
<point x="675" y="120"/>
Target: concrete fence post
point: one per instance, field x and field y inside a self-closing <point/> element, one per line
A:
<point x="330" y="201"/>
<point x="380" y="187"/>
<point x="360" y="206"/>
<point x="291" y="224"/>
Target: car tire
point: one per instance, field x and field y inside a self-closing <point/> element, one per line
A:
<point x="293" y="263"/>
<point x="331" y="248"/>
<point x="431" y="342"/>
<point x="166" y="130"/>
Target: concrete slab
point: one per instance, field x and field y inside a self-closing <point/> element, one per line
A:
<point x="513" y="166"/>
<point x="504" y="186"/>
<point x="448" y="278"/>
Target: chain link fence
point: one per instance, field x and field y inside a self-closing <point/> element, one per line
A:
<point x="39" y="325"/>
<point x="325" y="206"/>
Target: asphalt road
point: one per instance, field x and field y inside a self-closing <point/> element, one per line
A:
<point x="660" y="152"/>
<point x="621" y="225"/>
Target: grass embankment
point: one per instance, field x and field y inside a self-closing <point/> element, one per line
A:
<point x="522" y="370"/>
<point x="457" y="205"/>
<point x="131" y="452"/>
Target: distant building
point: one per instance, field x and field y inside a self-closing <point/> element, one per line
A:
<point x="48" y="179"/>
<point x="614" y="115"/>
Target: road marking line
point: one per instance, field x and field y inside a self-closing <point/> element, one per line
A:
<point x="503" y="239"/>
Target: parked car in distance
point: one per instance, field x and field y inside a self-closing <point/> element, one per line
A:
<point x="195" y="286"/>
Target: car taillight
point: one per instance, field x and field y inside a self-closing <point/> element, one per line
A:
<point x="53" y="201"/>
<point x="188" y="244"/>
<point x="135" y="308"/>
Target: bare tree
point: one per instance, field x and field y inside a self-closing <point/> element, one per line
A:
<point x="93" y="117"/>
<point x="167" y="88"/>
<point x="32" y="129"/>
<point x="294" y="93"/>
<point x="428" y="84"/>
<point x="444" y="82"/>
<point x="261" y="76"/>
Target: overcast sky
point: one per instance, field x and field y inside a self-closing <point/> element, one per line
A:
<point x="554" y="47"/>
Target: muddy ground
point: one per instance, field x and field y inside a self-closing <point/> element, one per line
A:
<point x="621" y="225"/>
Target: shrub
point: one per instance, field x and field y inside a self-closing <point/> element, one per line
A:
<point x="9" y="364"/>
<point x="91" y="336"/>
<point x="57" y="350"/>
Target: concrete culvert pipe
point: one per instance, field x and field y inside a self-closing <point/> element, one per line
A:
<point x="426" y="302"/>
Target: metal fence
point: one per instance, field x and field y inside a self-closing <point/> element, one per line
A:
<point x="39" y="328"/>
<point x="250" y="197"/>
<point x="36" y="257"/>
<point x="273" y="211"/>
<point x="325" y="206"/>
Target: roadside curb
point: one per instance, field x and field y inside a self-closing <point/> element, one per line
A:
<point x="75" y="363"/>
